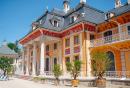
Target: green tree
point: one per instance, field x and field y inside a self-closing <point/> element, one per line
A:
<point x="5" y="64"/>
<point x="11" y="45"/>
<point x="74" y="68"/>
<point x="100" y="63"/>
<point x="56" y="70"/>
<point x="16" y="47"/>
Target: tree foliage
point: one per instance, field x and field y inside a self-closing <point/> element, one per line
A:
<point x="15" y="47"/>
<point x="100" y="63"/>
<point x="56" y="70"/>
<point x="74" y="68"/>
<point x="5" y="64"/>
<point x="11" y="45"/>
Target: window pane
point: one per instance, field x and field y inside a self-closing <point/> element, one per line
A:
<point x="67" y="42"/>
<point x="76" y="57"/>
<point x="72" y="19"/>
<point x="67" y="59"/>
<point x="129" y="30"/>
<point x="55" y="23"/>
<point x="55" y="46"/>
<point x="47" y="48"/>
<point x="76" y="39"/>
<point x="91" y="37"/>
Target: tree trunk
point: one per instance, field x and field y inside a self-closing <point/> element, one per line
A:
<point x="5" y="73"/>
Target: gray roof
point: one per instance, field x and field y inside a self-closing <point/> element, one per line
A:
<point x="4" y="49"/>
<point x="91" y="15"/>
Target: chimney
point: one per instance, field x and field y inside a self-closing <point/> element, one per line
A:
<point x="128" y="1"/>
<point x="82" y="1"/>
<point x="66" y="4"/>
<point x="117" y="3"/>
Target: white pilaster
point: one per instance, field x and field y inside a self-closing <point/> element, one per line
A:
<point x="28" y="61"/>
<point x="60" y="54"/>
<point x="42" y="55"/>
<point x="23" y="59"/>
<point x="34" y="58"/>
<point x="88" y="57"/>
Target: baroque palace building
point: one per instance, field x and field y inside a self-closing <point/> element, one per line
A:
<point x="60" y="36"/>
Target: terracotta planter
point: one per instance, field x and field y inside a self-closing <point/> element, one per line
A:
<point x="42" y="81"/>
<point x="100" y="82"/>
<point x="56" y="82"/>
<point x="75" y="82"/>
<point x="35" y="80"/>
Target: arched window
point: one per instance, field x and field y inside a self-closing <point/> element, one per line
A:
<point x="113" y="59"/>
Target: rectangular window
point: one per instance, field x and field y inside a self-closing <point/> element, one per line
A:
<point x="55" y="46"/>
<point x="72" y="19"/>
<point x="31" y="53"/>
<point x="67" y="42"/>
<point x="47" y="48"/>
<point x="129" y="30"/>
<point x="76" y="39"/>
<point x="67" y="59"/>
<point x="77" y="57"/>
<point x="55" y="23"/>
<point x="91" y="37"/>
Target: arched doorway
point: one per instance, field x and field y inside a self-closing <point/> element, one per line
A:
<point x="55" y="61"/>
<point x="108" y="37"/>
<point x="47" y="64"/>
<point x="113" y="63"/>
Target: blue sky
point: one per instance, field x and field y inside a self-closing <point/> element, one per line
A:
<point x="16" y="16"/>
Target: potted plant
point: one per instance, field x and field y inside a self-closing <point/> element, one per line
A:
<point x="100" y="63"/>
<point x="42" y="80"/>
<point x="10" y="75"/>
<point x="57" y="72"/>
<point x="75" y="69"/>
<point x="36" y="79"/>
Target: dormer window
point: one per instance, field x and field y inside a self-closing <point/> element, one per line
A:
<point x="108" y="15"/>
<point x="55" y="23"/>
<point x="73" y="17"/>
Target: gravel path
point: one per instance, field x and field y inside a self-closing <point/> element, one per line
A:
<point x="20" y="83"/>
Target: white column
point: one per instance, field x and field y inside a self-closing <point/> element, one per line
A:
<point x="28" y="61"/>
<point x="34" y="58"/>
<point x="88" y="57"/>
<point x="60" y="54"/>
<point x="23" y="59"/>
<point x="42" y="55"/>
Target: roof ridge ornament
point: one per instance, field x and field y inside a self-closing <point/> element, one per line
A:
<point x="83" y="15"/>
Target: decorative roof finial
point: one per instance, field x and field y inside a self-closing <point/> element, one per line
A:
<point x="33" y="20"/>
<point x="83" y="14"/>
<point x="4" y="42"/>
<point x="40" y="22"/>
<point x="47" y="8"/>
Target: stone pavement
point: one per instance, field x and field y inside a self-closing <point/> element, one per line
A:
<point x="20" y="83"/>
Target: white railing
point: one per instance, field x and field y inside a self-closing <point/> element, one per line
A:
<point x="108" y="74"/>
<point x="110" y="39"/>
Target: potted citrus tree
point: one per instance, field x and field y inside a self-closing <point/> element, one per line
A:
<point x="74" y="69"/>
<point x="36" y="79"/>
<point x="42" y="80"/>
<point x="100" y="63"/>
<point x="57" y="72"/>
